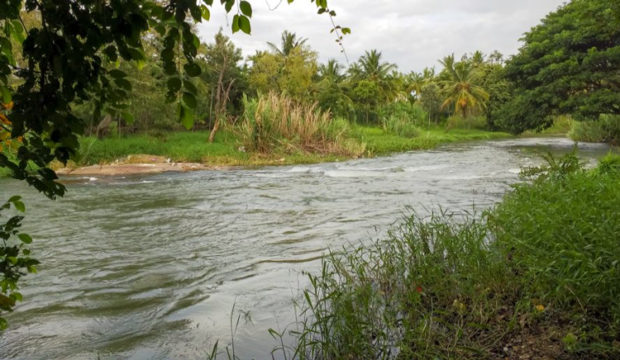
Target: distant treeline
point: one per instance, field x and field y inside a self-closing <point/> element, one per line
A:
<point x="568" y="65"/>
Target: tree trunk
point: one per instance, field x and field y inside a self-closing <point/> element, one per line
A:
<point x="216" y="126"/>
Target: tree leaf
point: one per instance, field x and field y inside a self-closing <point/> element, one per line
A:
<point x="6" y="94"/>
<point x="25" y="238"/>
<point x="136" y="54"/>
<point x="206" y="14"/>
<point x="123" y="83"/>
<point x="19" y="206"/>
<point x="244" y="24"/>
<point x="117" y="74"/>
<point x="174" y="84"/>
<point x="18" y="32"/>
<point x="187" y="116"/>
<point x="235" y="23"/>
<point x="14" y="198"/>
<point x="192" y="69"/>
<point x="229" y="4"/>
<point x="189" y="100"/>
<point x="246" y="8"/>
<point x="189" y="86"/>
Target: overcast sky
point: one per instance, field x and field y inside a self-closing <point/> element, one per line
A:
<point x="410" y="33"/>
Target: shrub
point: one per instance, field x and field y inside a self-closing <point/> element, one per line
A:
<point x="402" y="118"/>
<point x="400" y="126"/>
<point x="469" y="122"/>
<point x="605" y="129"/>
<point x="276" y="122"/>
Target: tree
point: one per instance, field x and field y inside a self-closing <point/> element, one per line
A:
<point x="223" y="75"/>
<point x="430" y="99"/>
<point x="66" y="60"/>
<point x="370" y="67"/>
<point x="373" y="82"/>
<point x="568" y="64"/>
<point x="291" y="69"/>
<point x="331" y="92"/>
<point x="288" y="42"/>
<point x="459" y="84"/>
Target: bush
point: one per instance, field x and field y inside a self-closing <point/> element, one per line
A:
<point x="605" y="129"/>
<point x="402" y="118"/>
<point x="562" y="236"/>
<point x="470" y="122"/>
<point x="276" y="122"/>
<point x="400" y="126"/>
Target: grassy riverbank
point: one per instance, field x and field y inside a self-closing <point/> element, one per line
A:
<point x="228" y="149"/>
<point x="537" y="277"/>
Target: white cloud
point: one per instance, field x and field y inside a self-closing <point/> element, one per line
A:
<point x="411" y="33"/>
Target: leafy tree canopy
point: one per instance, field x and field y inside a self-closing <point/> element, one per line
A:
<point x="569" y="64"/>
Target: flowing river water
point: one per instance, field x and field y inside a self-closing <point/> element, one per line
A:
<point x="150" y="267"/>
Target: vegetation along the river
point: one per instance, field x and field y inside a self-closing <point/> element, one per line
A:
<point x="536" y="276"/>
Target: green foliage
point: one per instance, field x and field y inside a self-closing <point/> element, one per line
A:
<point x="402" y="118"/>
<point x="541" y="266"/>
<point x="561" y="234"/>
<point x="372" y="82"/>
<point x="425" y="292"/>
<point x="500" y="90"/>
<point x="379" y="141"/>
<point x="554" y="169"/>
<point x="15" y="260"/>
<point x="278" y="122"/>
<point x="178" y="146"/>
<point x="430" y="99"/>
<point x="610" y="164"/>
<point x="332" y="91"/>
<point x="289" y="70"/>
<point x="605" y="129"/>
<point x="568" y="65"/>
<point x="470" y="122"/>
<point x="459" y="84"/>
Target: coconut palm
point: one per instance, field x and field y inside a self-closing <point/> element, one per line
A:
<point x="460" y="89"/>
<point x="288" y="42"/>
<point x="369" y="67"/>
<point x="332" y="71"/>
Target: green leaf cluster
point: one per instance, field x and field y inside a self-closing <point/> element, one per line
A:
<point x="569" y="64"/>
<point x="15" y="260"/>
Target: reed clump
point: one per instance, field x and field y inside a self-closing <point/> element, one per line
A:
<point x="276" y="122"/>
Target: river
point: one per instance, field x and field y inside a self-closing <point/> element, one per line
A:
<point x="149" y="267"/>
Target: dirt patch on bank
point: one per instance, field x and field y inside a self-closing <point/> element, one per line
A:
<point x="135" y="165"/>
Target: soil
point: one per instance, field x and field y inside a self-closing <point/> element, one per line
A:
<point x="135" y="165"/>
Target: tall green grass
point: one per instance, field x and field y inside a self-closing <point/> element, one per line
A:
<point x="380" y="141"/>
<point x="402" y="118"/>
<point x="542" y="269"/>
<point x="178" y="146"/>
<point x="605" y="129"/>
<point x="275" y="122"/>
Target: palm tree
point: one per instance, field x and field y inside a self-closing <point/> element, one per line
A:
<point x="288" y="42"/>
<point x="370" y="67"/>
<point x="332" y="71"/>
<point x="460" y="89"/>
